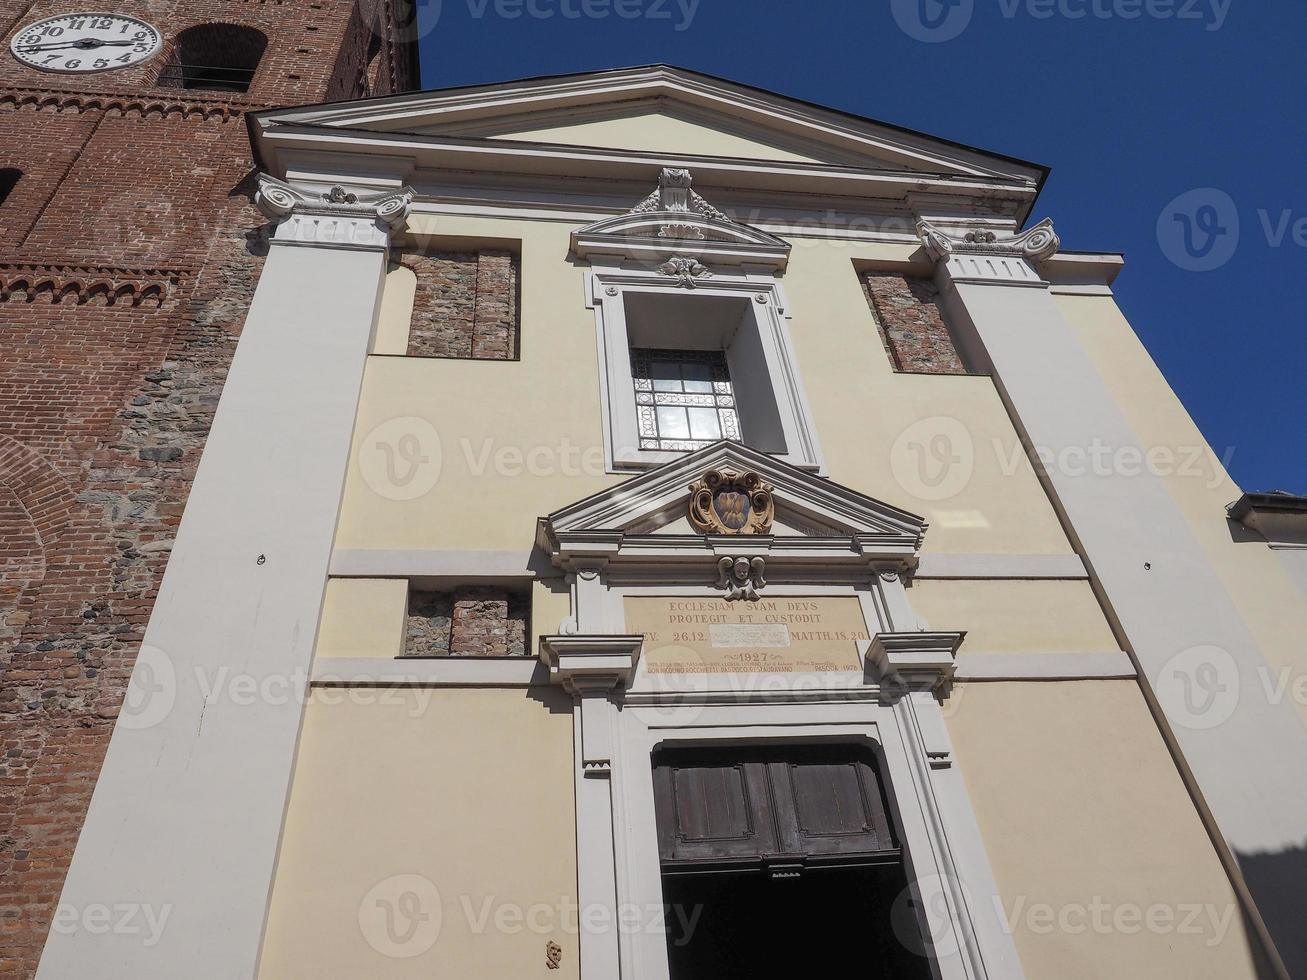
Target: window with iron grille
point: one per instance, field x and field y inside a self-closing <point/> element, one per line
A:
<point x="683" y="398"/>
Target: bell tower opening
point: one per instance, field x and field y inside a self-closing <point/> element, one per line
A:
<point x="214" y="57"/>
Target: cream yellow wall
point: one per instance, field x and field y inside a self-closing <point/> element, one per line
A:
<point x="468" y="789"/>
<point x="365" y="617"/>
<point x="660" y="132"/>
<point x="1015" y="615"/>
<point x="1085" y="821"/>
<point x="1261" y="587"/>
<point x="391" y="334"/>
<point x="868" y="417"/>
<point x="518" y="439"/>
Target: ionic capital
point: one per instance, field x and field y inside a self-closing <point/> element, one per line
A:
<point x="334" y="219"/>
<point x="1035" y="243"/>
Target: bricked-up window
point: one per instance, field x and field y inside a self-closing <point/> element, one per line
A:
<point x="466" y="304"/>
<point x="683" y="398"/>
<point x="9" y="177"/>
<point x="911" y="324"/>
<point x="468" y="621"/>
<point x="215" y="57"/>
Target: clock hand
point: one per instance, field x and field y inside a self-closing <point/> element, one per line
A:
<point x="84" y="43"/>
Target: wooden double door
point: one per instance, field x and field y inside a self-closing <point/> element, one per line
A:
<point x="780" y="859"/>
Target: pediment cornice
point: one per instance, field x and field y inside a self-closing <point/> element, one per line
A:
<point x="463" y="111"/>
<point x="454" y="132"/>
<point x="674" y="226"/>
<point x="620" y="525"/>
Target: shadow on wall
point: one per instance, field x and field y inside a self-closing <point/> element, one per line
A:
<point x="1278" y="881"/>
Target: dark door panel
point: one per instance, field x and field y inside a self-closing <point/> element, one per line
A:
<point x="775" y="808"/>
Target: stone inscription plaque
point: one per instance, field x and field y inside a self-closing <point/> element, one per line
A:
<point x="782" y="635"/>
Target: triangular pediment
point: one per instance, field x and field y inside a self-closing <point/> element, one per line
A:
<point x="661" y="126"/>
<point x="651" y="511"/>
<point x="659" y="109"/>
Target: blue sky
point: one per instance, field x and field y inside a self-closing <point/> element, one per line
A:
<point x="1132" y="103"/>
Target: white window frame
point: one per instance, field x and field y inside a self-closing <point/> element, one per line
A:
<point x="606" y="290"/>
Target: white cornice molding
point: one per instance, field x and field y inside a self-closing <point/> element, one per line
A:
<point x="467" y="110"/>
<point x="489" y="162"/>
<point x="336" y="218"/>
<point x="674" y="228"/>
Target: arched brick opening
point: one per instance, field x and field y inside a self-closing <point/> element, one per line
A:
<point x="216" y="57"/>
<point x="9" y="178"/>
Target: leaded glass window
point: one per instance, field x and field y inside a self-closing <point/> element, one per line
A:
<point x="683" y="398"/>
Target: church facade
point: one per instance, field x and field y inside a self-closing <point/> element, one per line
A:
<point x="652" y="527"/>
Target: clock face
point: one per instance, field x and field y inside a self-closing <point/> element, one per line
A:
<point x="85" y="43"/>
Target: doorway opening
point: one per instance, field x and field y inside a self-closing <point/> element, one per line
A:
<point x="782" y="859"/>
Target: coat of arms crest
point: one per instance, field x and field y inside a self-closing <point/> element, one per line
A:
<point x="725" y="502"/>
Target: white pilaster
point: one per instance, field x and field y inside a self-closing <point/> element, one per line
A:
<point x="185" y="822"/>
<point x="1249" y="754"/>
<point x="591" y="668"/>
<point x="915" y="671"/>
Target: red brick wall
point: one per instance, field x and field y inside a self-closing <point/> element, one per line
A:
<point x="911" y="325"/>
<point x="128" y="254"/>
<point x="466" y="304"/>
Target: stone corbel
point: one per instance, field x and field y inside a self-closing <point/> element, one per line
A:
<point x="590" y="668"/>
<point x="586" y="664"/>
<point x="741" y="578"/>
<point x="981" y="255"/>
<point x="336" y="218"/>
<point x="915" y="671"/>
<point x="922" y="661"/>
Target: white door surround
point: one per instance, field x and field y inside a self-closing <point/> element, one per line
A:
<point x="611" y="549"/>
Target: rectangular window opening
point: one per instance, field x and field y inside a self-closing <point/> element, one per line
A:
<point x="684" y="399"/>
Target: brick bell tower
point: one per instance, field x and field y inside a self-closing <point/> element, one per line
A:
<point x="129" y="249"/>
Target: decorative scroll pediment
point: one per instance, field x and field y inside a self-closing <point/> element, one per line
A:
<point x="651" y="519"/>
<point x="674" y="227"/>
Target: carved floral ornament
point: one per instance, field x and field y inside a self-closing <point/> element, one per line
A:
<point x="676" y="196"/>
<point x="726" y="502"/>
<point x="675" y="231"/>
<point x="685" y="270"/>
